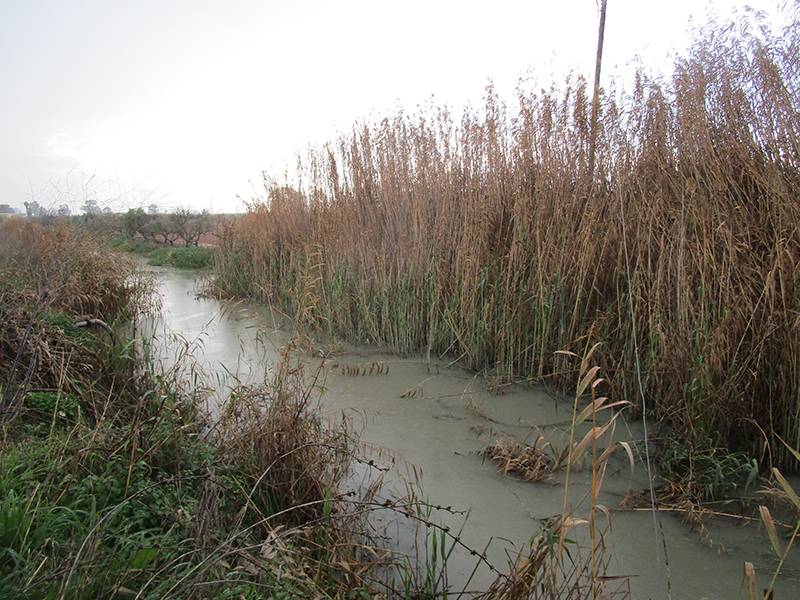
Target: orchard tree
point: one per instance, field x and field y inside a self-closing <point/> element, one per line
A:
<point x="33" y="209"/>
<point x="135" y="221"/>
<point x="163" y="226"/>
<point x="168" y="229"/>
<point x="199" y="225"/>
<point x="91" y="208"/>
<point x="180" y="219"/>
<point x="191" y="226"/>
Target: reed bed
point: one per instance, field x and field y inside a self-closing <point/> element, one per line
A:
<point x="485" y="236"/>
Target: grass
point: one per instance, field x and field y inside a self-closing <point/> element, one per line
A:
<point x="486" y="236"/>
<point x="182" y="258"/>
<point x="134" y="245"/>
<point x="52" y="403"/>
<point x="153" y="507"/>
<point x="713" y="473"/>
<point x="157" y="255"/>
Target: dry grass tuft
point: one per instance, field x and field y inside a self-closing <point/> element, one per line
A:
<point x="54" y="278"/>
<point x="65" y="271"/>
<point x="549" y="571"/>
<point x="533" y="462"/>
<point x="274" y="434"/>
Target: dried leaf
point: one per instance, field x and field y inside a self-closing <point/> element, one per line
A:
<point x="751" y="581"/>
<point x="769" y="525"/>
<point x="787" y="488"/>
<point x="593" y="434"/>
<point x="586" y="380"/>
<point x="629" y="451"/>
<point x="572" y="522"/>
<point x="794" y="452"/>
<point x="588" y="355"/>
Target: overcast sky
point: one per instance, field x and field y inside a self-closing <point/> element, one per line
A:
<point x="191" y="100"/>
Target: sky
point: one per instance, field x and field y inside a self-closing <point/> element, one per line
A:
<point x="186" y="103"/>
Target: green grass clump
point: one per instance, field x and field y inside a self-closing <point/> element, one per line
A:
<point x="181" y="257"/>
<point x="709" y="473"/>
<point x="148" y="502"/>
<point x="158" y="255"/>
<point x="133" y="245"/>
<point x="67" y="325"/>
<point x="135" y="512"/>
<point x="45" y="403"/>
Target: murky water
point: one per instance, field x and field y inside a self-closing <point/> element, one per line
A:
<point x="441" y="428"/>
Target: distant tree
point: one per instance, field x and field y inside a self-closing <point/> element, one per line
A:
<point x="6" y="209"/>
<point x="158" y="229"/>
<point x="151" y="230"/>
<point x="63" y="211"/>
<point x="199" y="225"/>
<point x="190" y="226"/>
<point x="91" y="208"/>
<point x="168" y="230"/>
<point x="180" y="218"/>
<point x="135" y="221"/>
<point x="33" y="209"/>
<point x="47" y="216"/>
<point x="153" y="209"/>
<point x="108" y="223"/>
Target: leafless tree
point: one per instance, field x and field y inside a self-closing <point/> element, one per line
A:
<point x="191" y="226"/>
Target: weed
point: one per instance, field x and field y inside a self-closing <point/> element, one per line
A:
<point x="182" y="258"/>
<point x="714" y="472"/>
<point x="46" y="403"/>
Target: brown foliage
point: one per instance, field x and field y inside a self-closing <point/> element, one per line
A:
<point x="52" y="278"/>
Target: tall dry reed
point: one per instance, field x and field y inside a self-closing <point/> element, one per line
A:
<point x="487" y="236"/>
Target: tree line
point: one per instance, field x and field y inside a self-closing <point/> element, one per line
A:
<point x="180" y="224"/>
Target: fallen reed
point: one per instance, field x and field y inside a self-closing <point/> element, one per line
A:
<point x="486" y="236"/>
